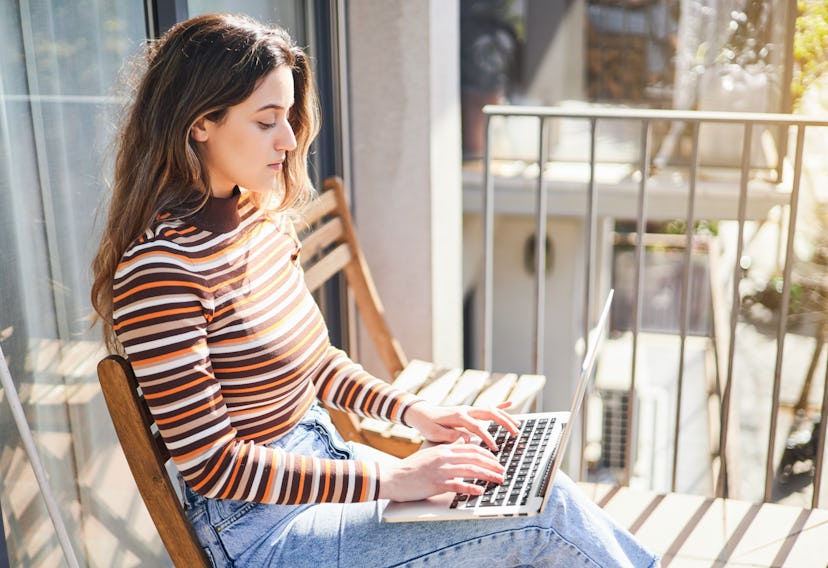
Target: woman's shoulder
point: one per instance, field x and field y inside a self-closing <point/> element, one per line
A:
<point x="171" y="243"/>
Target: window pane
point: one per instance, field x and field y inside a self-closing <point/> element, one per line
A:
<point x="59" y="76"/>
<point x="290" y="14"/>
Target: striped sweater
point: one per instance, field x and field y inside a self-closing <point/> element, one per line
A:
<point x="230" y="350"/>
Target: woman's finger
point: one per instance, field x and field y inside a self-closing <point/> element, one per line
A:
<point x="497" y="415"/>
<point x="481" y="430"/>
<point x="471" y="471"/>
<point x="469" y="455"/>
<point x="466" y="487"/>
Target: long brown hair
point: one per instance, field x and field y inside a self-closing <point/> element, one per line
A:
<point x="199" y="68"/>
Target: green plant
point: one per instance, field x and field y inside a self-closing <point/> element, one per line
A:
<point x="810" y="51"/>
<point x="700" y="227"/>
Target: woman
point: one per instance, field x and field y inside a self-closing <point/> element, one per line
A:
<point x="197" y="280"/>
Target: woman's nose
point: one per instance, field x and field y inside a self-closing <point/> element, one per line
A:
<point x="286" y="139"/>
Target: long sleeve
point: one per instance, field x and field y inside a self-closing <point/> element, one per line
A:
<point x="230" y="351"/>
<point x="347" y="386"/>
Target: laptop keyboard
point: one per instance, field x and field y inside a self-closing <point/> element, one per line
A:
<point x="521" y="456"/>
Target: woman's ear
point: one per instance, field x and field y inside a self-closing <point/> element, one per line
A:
<point x="199" y="130"/>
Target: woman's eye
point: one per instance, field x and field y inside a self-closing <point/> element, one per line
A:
<point x="266" y="125"/>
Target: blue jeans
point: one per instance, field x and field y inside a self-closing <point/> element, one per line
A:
<point x="571" y="531"/>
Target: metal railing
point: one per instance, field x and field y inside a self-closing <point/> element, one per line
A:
<point x="789" y="185"/>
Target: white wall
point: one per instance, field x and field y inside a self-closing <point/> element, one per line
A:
<point x="514" y="297"/>
<point x="405" y="147"/>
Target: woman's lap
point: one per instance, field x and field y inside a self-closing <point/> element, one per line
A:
<point x="572" y="531"/>
<point x="567" y="534"/>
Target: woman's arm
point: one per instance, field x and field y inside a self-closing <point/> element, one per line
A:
<point x="162" y="315"/>
<point x="347" y="386"/>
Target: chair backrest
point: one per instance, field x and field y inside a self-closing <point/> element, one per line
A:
<point x="330" y="247"/>
<point x="147" y="455"/>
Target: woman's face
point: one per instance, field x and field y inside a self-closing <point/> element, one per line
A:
<point x="248" y="146"/>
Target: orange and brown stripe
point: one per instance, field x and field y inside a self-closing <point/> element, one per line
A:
<point x="231" y="350"/>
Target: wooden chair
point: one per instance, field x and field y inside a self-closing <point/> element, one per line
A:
<point x="329" y="246"/>
<point x="147" y="455"/>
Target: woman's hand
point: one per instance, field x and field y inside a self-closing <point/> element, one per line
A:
<point x="452" y="423"/>
<point x="439" y="469"/>
<point x="444" y="467"/>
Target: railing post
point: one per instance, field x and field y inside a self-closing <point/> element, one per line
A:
<point x="690" y="219"/>
<point x="540" y="249"/>
<point x="589" y="239"/>
<point x="488" y="245"/>
<point x="783" y="312"/>
<point x="636" y="308"/>
<point x="723" y="487"/>
<point x="820" y="451"/>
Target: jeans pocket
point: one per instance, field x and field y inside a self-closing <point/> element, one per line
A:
<point x="335" y="445"/>
<point x="337" y="448"/>
<point x="208" y="536"/>
<point x="233" y="525"/>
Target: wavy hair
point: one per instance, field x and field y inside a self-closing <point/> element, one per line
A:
<point x="200" y="68"/>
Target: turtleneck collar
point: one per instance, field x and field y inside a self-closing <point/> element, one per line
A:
<point x="219" y="214"/>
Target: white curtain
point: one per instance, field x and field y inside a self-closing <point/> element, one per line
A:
<point x="59" y="63"/>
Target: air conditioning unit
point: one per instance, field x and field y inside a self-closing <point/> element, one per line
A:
<point x="651" y="446"/>
<point x="614" y="403"/>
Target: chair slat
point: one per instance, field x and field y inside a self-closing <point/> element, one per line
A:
<point x="375" y="426"/>
<point x="324" y="204"/>
<point x="525" y="392"/>
<point x="467" y="387"/>
<point x="329" y="265"/>
<point x="496" y="392"/>
<point x="437" y="390"/>
<point x="414" y="376"/>
<point x="434" y="392"/>
<point x="321" y="237"/>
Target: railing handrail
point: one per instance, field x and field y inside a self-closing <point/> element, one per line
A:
<point x="631" y="113"/>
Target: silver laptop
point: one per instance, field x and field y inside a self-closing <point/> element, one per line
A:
<point x="531" y="458"/>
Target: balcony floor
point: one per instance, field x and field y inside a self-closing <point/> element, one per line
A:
<point x="691" y="531"/>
